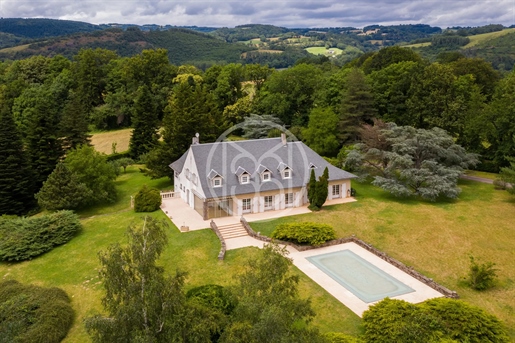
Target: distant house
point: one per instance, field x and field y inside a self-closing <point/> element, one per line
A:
<point x="234" y="178"/>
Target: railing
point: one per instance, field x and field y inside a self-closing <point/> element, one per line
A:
<point x="170" y="195"/>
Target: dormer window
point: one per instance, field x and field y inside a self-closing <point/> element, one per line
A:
<point x="266" y="174"/>
<point x="285" y="170"/>
<point x="243" y="175"/>
<point x="216" y="179"/>
<point x="312" y="166"/>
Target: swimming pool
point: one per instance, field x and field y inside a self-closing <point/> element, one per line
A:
<point x="363" y="279"/>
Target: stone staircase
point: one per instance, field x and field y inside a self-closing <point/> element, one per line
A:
<point x="232" y="231"/>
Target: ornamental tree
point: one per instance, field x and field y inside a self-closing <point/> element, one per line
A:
<point x="425" y="163"/>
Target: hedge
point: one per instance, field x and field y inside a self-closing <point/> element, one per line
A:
<point x="25" y="238"/>
<point x="30" y="314"/>
<point x="304" y="233"/>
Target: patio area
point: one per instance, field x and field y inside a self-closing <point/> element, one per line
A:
<point x="183" y="215"/>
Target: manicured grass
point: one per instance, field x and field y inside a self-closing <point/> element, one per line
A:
<point x="127" y="185"/>
<point x="491" y="176"/>
<point x="435" y="238"/>
<point x="74" y="265"/>
<point x="103" y="141"/>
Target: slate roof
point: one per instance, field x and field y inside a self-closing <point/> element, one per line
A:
<point x="254" y="156"/>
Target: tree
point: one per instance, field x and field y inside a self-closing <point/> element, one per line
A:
<point x="145" y="124"/>
<point x="63" y="190"/>
<point x="318" y="190"/>
<point x="268" y="298"/>
<point x="74" y="123"/>
<point x="426" y="163"/>
<point x="142" y="303"/>
<point x="312" y="187"/>
<point x="322" y="131"/>
<point x="289" y="94"/>
<point x="388" y="56"/>
<point x="93" y="170"/>
<point x="357" y="106"/>
<point x="16" y="178"/>
<point x="256" y="126"/>
<point x="507" y="176"/>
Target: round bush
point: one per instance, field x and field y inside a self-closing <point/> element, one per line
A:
<point x="31" y="314"/>
<point x="304" y="233"/>
<point x="147" y="200"/>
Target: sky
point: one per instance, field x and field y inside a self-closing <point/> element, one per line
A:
<point x="223" y="13"/>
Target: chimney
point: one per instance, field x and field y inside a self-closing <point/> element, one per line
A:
<point x="283" y="138"/>
<point x="195" y="140"/>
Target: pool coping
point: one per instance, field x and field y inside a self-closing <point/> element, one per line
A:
<point x="422" y="291"/>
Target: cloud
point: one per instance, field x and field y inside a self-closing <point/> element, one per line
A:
<point x="308" y="13"/>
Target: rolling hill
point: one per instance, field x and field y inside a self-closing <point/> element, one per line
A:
<point x="184" y="46"/>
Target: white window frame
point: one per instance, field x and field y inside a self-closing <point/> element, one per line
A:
<point x="336" y="191"/>
<point x="246" y="205"/>
<point x="217" y="184"/>
<point x="267" y="176"/>
<point x="268" y="201"/>
<point x="245" y="178"/>
<point x="287" y="174"/>
<point x="288" y="199"/>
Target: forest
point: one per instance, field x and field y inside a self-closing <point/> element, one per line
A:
<point x="49" y="106"/>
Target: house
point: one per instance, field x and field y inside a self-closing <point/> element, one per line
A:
<point x="238" y="177"/>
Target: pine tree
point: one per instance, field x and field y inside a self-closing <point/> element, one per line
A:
<point x="312" y="187"/>
<point x="16" y="186"/>
<point x="145" y="122"/>
<point x="357" y="106"/>
<point x="62" y="190"/>
<point x="74" y="123"/>
<point x="44" y="145"/>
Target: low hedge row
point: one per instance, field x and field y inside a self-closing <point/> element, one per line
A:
<point x="30" y="314"/>
<point x="304" y="233"/>
<point x="25" y="238"/>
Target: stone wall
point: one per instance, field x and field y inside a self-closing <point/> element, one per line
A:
<point x="407" y="269"/>
<point x="223" y="248"/>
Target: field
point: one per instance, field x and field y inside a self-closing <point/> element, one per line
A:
<point x="103" y="141"/>
<point x="435" y="238"/>
<point x="474" y="40"/>
<point x="320" y="50"/>
<point x="15" y="48"/>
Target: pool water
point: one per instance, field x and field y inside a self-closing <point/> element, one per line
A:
<point x="363" y="279"/>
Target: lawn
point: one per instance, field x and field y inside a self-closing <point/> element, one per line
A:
<point x="475" y="40"/>
<point x="103" y="141"/>
<point x="74" y="266"/>
<point x="435" y="238"/>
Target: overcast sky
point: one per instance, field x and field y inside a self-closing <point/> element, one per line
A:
<point x="322" y="13"/>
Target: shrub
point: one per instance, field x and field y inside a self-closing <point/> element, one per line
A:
<point x="435" y="320"/>
<point x="304" y="233"/>
<point x="24" y="238"/>
<point x="33" y="314"/>
<point x="481" y="276"/>
<point x="397" y="321"/>
<point x="338" y="337"/>
<point x="464" y="322"/>
<point x="214" y="297"/>
<point x="147" y="200"/>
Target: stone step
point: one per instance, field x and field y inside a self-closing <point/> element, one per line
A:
<point x="232" y="231"/>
